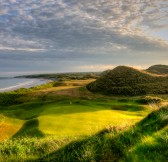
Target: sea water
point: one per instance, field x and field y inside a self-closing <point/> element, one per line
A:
<point x="11" y="83"/>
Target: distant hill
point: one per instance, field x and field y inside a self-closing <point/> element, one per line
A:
<point x="65" y="76"/>
<point x="158" y="69"/>
<point x="124" y="80"/>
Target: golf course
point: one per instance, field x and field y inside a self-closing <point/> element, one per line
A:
<point x="43" y="120"/>
<point x="84" y="81"/>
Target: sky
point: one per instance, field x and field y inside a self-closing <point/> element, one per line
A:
<point x="40" y="36"/>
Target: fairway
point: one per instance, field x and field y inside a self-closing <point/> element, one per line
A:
<point x="67" y="116"/>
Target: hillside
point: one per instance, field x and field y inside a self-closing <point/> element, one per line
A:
<point x="124" y="80"/>
<point x="158" y="69"/>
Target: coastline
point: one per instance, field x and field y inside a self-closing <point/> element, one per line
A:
<point x="27" y="83"/>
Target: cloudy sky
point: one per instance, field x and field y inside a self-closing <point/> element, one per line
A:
<point x="81" y="35"/>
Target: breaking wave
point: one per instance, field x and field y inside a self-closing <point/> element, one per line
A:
<point x="19" y="85"/>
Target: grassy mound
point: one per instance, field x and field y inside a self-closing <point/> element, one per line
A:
<point x="129" y="81"/>
<point x="149" y="100"/>
<point x="158" y="69"/>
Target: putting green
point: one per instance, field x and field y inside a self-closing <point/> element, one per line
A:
<point x="86" y="117"/>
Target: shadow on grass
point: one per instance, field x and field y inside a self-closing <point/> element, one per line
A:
<point x="25" y="111"/>
<point x="29" y="129"/>
<point x="110" y="145"/>
<point x="130" y="108"/>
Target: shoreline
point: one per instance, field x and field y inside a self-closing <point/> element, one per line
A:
<point x="26" y="84"/>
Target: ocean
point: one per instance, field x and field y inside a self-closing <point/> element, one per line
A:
<point x="10" y="83"/>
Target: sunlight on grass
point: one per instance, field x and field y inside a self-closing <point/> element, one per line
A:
<point x="82" y="120"/>
<point x="154" y="147"/>
<point x="8" y="127"/>
<point x="74" y="117"/>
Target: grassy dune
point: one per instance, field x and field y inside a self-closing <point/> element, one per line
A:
<point x="69" y="123"/>
<point x="158" y="69"/>
<point x="124" y="80"/>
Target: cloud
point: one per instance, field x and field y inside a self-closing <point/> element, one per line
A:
<point x="100" y="67"/>
<point x="77" y="29"/>
<point x="21" y="49"/>
<point x="103" y="67"/>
